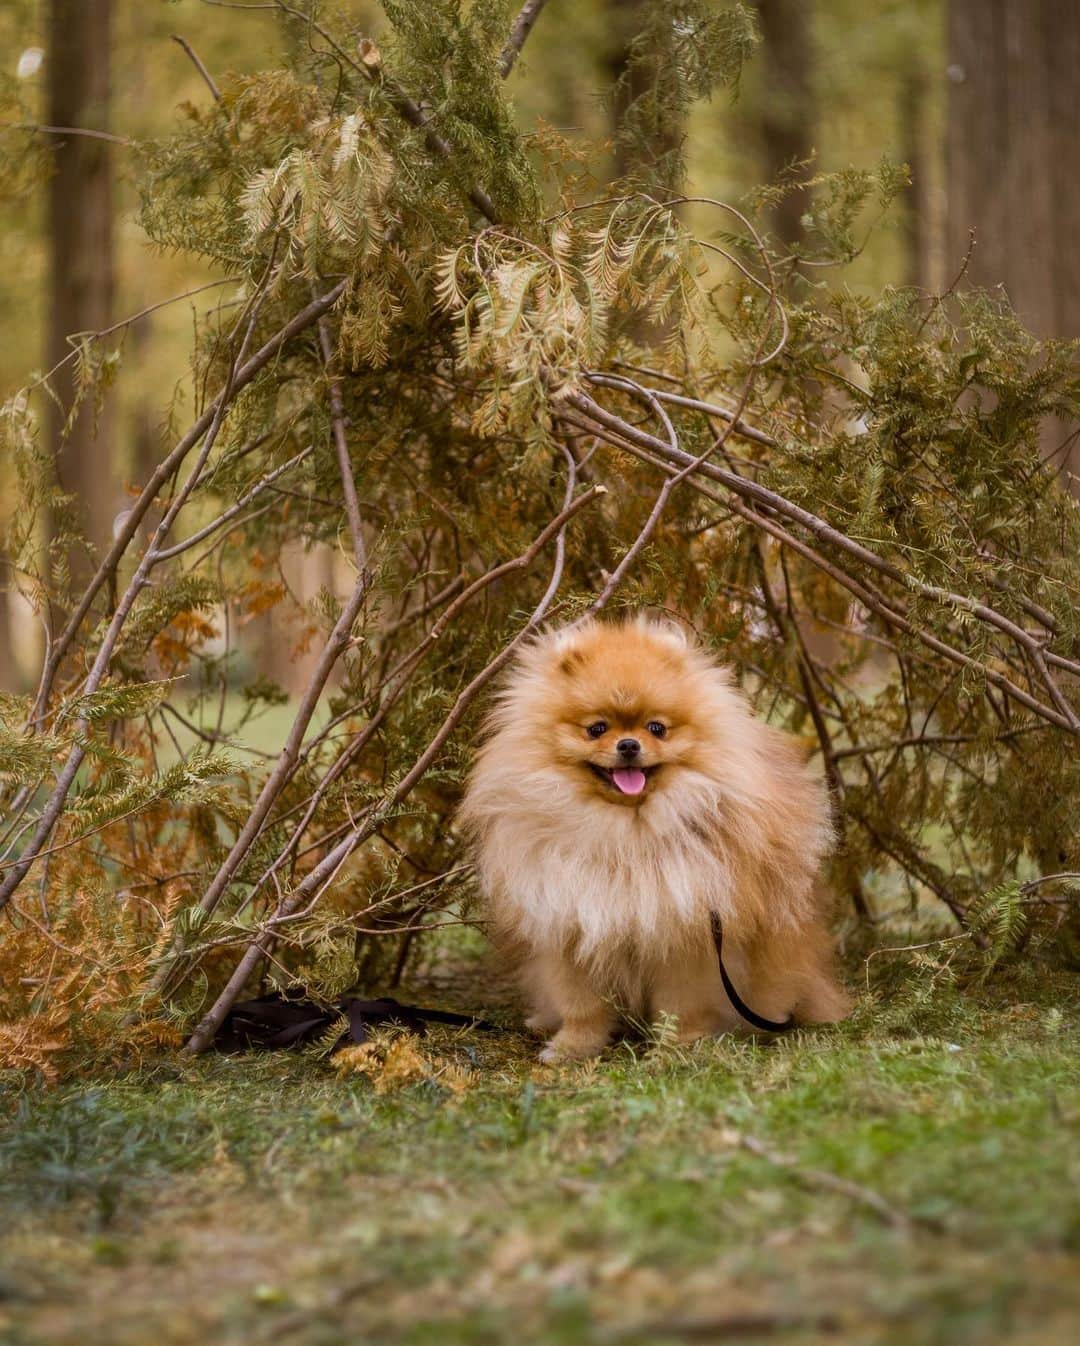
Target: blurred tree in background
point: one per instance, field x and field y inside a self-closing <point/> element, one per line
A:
<point x="1013" y="156"/>
<point x="424" y="334"/>
<point x="79" y="226"/>
<point x="785" y="106"/>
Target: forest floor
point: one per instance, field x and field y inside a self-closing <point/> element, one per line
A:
<point x="910" y="1176"/>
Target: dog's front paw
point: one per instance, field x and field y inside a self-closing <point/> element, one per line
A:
<point x="571" y="1046"/>
<point x="554" y="1054"/>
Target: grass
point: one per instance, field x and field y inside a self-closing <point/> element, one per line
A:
<point x="727" y="1192"/>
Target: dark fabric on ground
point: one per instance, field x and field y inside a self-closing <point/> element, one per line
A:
<point x="281" y="1020"/>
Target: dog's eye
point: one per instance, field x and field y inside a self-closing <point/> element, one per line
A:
<point x="597" y="729"/>
<point x="657" y="729"/>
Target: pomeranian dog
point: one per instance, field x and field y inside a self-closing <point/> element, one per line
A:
<point x="624" y="798"/>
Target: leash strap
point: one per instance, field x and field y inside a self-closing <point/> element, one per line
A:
<point x="741" y="1007"/>
<point x="290" y="1019"/>
<point x="287" y="1020"/>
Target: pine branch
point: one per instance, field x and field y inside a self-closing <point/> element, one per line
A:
<point x="1060" y="713"/>
<point x="371" y="68"/>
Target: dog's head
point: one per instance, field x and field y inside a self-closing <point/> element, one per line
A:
<point x="618" y="707"/>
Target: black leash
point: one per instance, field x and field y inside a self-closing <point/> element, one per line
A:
<point x="289" y="1019"/>
<point x="741" y="1007"/>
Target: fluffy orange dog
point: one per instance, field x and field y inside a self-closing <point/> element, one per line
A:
<point x="625" y="794"/>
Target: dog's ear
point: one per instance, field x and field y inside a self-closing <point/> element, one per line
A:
<point x="565" y="649"/>
<point x="571" y="661"/>
<point x="669" y="633"/>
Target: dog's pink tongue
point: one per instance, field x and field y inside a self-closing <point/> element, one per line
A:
<point x="629" y="779"/>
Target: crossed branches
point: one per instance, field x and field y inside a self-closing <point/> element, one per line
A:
<point x="1032" y="669"/>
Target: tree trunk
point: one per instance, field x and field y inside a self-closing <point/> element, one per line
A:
<point x="8" y="666"/>
<point x="80" y="255"/>
<point x="1013" y="151"/>
<point x="787" y="105"/>
<point x="917" y="205"/>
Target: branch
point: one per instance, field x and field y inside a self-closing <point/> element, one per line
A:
<point x="282" y="772"/>
<point x="197" y="63"/>
<point x="743" y="430"/>
<point x="341" y="447"/>
<point x="692" y="465"/>
<point x="1036" y="647"/>
<point x="328" y="867"/>
<point x="55" y="804"/>
<point x="399" y="678"/>
<point x="371" y="68"/>
<point x="261" y="485"/>
<point x="165" y="469"/>
<point x="68" y="131"/>
<point x="830" y="1182"/>
<point x="606" y="424"/>
<point x="890" y="612"/>
<point x="519" y="32"/>
<point x="127" y="322"/>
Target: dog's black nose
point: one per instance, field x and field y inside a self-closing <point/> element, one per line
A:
<point x="628" y="747"/>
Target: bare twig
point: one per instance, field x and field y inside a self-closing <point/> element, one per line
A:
<point x="283" y="768"/>
<point x="671" y="481"/>
<point x="238" y="508"/>
<point x="830" y="1182"/>
<point x="128" y="321"/>
<point x="86" y="131"/>
<point x="400" y="678"/>
<point x="197" y="63"/>
<point x="341" y="447"/>
<point x="239" y="379"/>
<point x="519" y="32"/>
<point x="743" y="430"/>
<point x="55" y="803"/>
<point x="330" y="865"/>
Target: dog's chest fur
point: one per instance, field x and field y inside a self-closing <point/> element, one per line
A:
<point x="608" y="877"/>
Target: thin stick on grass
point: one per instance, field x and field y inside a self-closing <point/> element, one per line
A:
<point x="820" y="1179"/>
